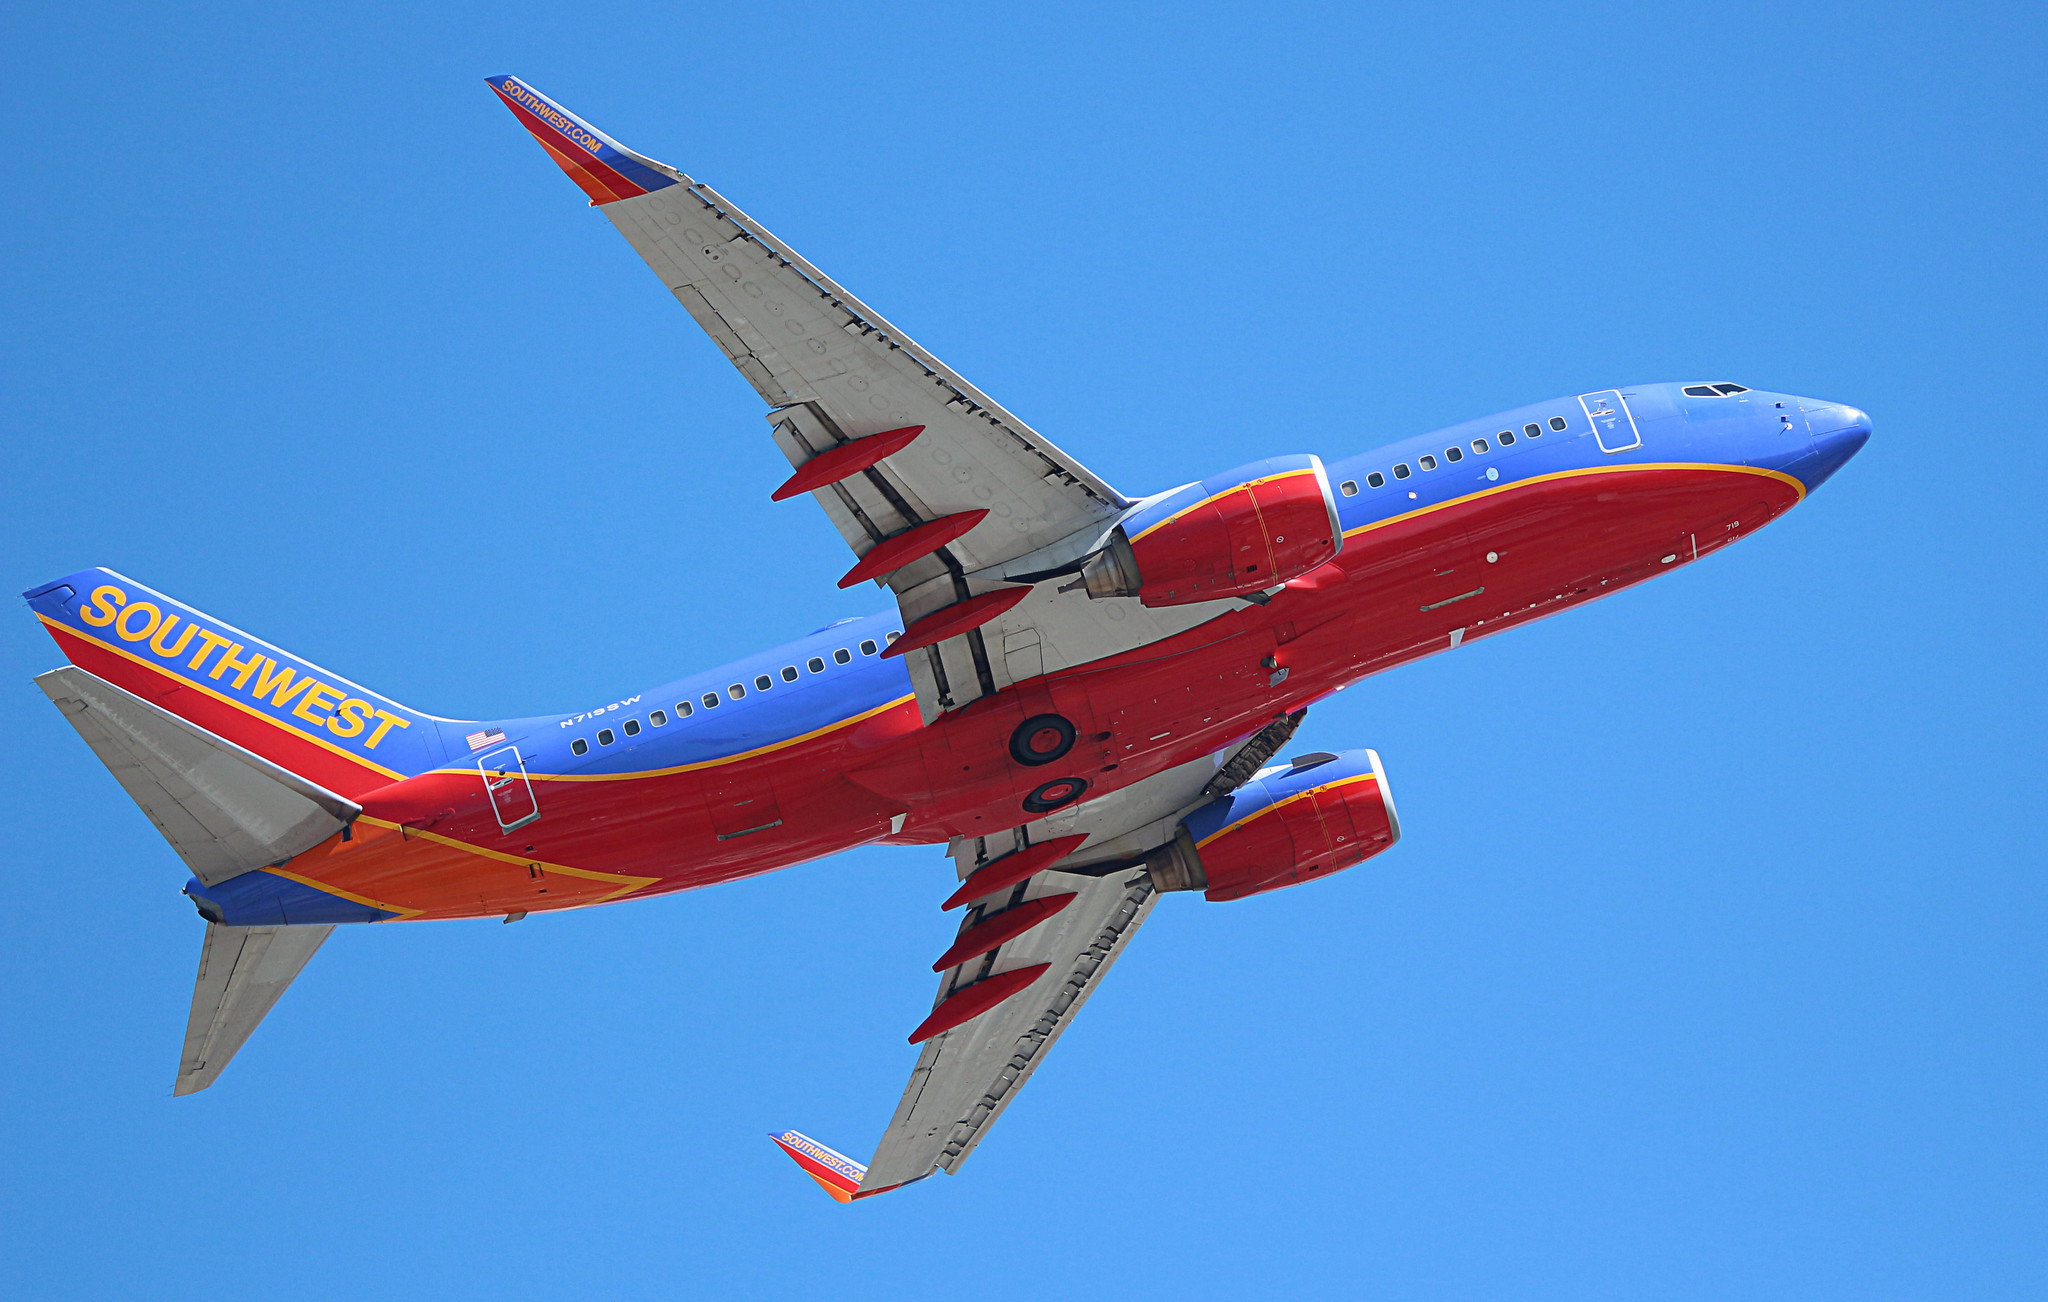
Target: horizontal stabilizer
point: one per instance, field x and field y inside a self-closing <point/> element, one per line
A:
<point x="242" y="971"/>
<point x="224" y="809"/>
<point x="605" y="169"/>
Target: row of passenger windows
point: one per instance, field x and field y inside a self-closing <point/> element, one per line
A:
<point x="1452" y="453"/>
<point x="737" y="691"/>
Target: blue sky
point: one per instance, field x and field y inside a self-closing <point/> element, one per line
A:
<point x="1712" y="964"/>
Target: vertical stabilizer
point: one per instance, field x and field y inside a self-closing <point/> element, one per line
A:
<point x="242" y="971"/>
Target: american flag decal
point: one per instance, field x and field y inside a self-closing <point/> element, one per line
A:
<point x="488" y="737"/>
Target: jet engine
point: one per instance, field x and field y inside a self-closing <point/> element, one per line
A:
<point x="1290" y="823"/>
<point x="1235" y="535"/>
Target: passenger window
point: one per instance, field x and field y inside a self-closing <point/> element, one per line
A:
<point x="815" y="665"/>
<point x="1426" y="462"/>
<point x="1557" y="422"/>
<point x="659" y="718"/>
<point x="1479" y="445"/>
<point x="1402" y="471"/>
<point x="867" y="648"/>
<point x="579" y="747"/>
<point x="1506" y="437"/>
<point x="789" y="673"/>
<point x="683" y="710"/>
<point x="1349" y="488"/>
<point x="840" y="656"/>
<point x="893" y="636"/>
<point x="632" y="727"/>
<point x="763" y="682"/>
<point x="1533" y="431"/>
<point x="1376" y="479"/>
<point x="1454" y="453"/>
<point x="711" y="700"/>
<point x="604" y="737"/>
<point x="735" y="691"/>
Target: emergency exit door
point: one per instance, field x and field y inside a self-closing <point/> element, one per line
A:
<point x="510" y="790"/>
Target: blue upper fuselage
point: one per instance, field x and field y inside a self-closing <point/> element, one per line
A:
<point x="838" y="673"/>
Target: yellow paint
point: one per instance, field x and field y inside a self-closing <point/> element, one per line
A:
<point x="303" y="880"/>
<point x="1282" y="804"/>
<point x="627" y="883"/>
<point x="1234" y="488"/>
<point x="1797" y="487"/>
<point x="713" y="763"/>
<point x="224" y="699"/>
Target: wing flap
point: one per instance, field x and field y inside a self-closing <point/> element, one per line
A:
<point x="224" y="809"/>
<point x="966" y="1076"/>
<point x="242" y="972"/>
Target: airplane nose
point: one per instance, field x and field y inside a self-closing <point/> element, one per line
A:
<point x="1839" y="432"/>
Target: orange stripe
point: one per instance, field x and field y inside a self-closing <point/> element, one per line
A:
<point x="1797" y="487"/>
<point x="1196" y="506"/>
<point x="1282" y="804"/>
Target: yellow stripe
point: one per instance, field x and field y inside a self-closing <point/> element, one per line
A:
<point x="1196" y="506"/>
<point x="628" y="883"/>
<point x="183" y="681"/>
<point x="402" y="912"/>
<point x="1797" y="487"/>
<point x="710" y="763"/>
<point x="1282" y="804"/>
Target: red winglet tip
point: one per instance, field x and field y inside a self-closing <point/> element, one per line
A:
<point x="836" y="1173"/>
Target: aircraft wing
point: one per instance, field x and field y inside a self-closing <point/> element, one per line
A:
<point x="1052" y="905"/>
<point x="942" y="494"/>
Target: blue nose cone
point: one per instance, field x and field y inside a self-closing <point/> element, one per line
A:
<point x="1839" y="433"/>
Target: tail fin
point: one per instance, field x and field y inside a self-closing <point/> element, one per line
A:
<point x="310" y="722"/>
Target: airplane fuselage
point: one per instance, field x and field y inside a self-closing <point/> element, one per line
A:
<point x="818" y="745"/>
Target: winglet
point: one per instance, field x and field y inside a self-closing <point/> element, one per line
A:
<point x="606" y="169"/>
<point x="836" y="1173"/>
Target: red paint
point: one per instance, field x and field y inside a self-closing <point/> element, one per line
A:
<point x="1559" y="542"/>
<point x="1000" y="928"/>
<point x="1310" y="836"/>
<point x="844" y="461"/>
<point x="843" y="1188"/>
<point x="956" y="619"/>
<point x="895" y="552"/>
<point x="600" y="182"/>
<point x="1242" y="541"/>
<point x="970" y="1002"/>
<point x="1012" y="868"/>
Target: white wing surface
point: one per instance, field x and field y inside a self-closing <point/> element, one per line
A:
<point x="1004" y="499"/>
<point x="242" y="972"/>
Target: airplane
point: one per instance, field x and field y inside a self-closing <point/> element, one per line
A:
<point x="1082" y="695"/>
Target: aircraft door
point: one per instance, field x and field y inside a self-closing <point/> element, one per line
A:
<point x="1613" y="425"/>
<point x="511" y="792"/>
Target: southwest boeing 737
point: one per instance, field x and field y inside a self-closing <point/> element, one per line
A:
<point x="1079" y="694"/>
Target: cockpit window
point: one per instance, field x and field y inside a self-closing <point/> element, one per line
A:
<point x="1713" y="390"/>
<point x="1726" y="389"/>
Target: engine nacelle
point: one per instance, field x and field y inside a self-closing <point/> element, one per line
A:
<point x="1229" y="536"/>
<point x="1291" y="823"/>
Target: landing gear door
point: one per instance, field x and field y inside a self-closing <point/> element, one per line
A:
<point x="1613" y="426"/>
<point x="510" y="790"/>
